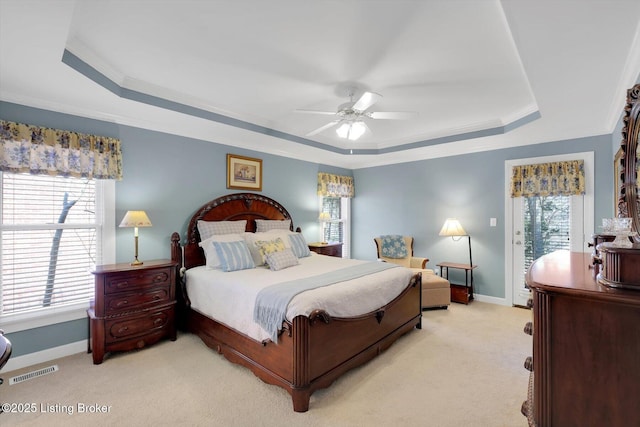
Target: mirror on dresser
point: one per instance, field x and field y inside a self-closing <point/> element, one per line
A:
<point x="620" y="263"/>
<point x="628" y="199"/>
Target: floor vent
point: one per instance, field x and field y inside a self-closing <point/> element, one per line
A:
<point x="33" y="374"/>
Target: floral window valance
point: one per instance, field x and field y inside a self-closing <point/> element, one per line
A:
<point x="38" y="150"/>
<point x="330" y="185"/>
<point x="548" y="179"/>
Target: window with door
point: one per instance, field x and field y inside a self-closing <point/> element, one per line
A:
<point x="550" y="207"/>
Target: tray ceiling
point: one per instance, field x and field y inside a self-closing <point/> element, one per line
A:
<point x="481" y="75"/>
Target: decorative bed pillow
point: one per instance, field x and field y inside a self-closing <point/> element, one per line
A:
<point x="281" y="259"/>
<point x="393" y="246"/>
<point x="210" y="228"/>
<point x="272" y="224"/>
<point x="267" y="247"/>
<point x="252" y="238"/>
<point x="210" y="253"/>
<point x="299" y="245"/>
<point x="233" y="255"/>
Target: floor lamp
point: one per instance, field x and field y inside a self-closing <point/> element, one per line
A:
<point x="453" y="228"/>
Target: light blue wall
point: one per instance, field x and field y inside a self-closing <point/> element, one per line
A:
<point x="170" y="177"/>
<point x="416" y="198"/>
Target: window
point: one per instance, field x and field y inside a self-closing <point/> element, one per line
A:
<point x="547" y="226"/>
<point x="52" y="235"/>
<point x="336" y="228"/>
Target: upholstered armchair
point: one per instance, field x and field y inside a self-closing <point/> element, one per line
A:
<point x="436" y="291"/>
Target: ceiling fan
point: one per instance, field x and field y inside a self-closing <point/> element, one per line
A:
<point x="350" y="116"/>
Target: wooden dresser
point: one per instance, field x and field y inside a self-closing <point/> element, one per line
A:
<point x="330" y="249"/>
<point x="134" y="306"/>
<point x="586" y="347"/>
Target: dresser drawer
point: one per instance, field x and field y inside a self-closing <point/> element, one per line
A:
<point x="143" y="279"/>
<point x="115" y="303"/>
<point x="145" y="323"/>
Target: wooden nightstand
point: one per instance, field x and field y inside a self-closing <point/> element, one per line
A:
<point x="134" y="306"/>
<point x="330" y="249"/>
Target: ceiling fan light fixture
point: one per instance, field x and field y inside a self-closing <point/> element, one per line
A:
<point x="343" y="130"/>
<point x="351" y="130"/>
<point x="356" y="131"/>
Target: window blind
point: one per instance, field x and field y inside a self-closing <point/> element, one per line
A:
<point x="49" y="241"/>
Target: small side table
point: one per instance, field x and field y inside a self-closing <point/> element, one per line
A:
<point x="459" y="293"/>
<point x="330" y="249"/>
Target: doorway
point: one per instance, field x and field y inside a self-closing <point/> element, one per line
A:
<point x="535" y="226"/>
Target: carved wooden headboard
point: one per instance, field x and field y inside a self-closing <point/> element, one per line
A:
<point x="232" y="207"/>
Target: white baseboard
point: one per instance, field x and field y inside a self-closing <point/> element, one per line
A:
<point x="491" y="300"/>
<point x="44" y="356"/>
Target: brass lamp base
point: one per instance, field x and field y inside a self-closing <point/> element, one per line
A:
<point x="136" y="262"/>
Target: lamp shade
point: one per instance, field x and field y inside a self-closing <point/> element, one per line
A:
<point x="452" y="227"/>
<point x="135" y="219"/>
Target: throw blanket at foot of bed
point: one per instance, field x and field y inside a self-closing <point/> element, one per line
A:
<point x="271" y="302"/>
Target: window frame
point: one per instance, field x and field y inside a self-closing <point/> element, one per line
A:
<point x="105" y="234"/>
<point x="345" y="219"/>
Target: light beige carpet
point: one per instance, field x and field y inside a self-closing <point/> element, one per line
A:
<point x="464" y="368"/>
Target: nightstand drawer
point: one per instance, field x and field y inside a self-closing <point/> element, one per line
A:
<point x="124" y="328"/>
<point x="128" y="281"/>
<point x="115" y="303"/>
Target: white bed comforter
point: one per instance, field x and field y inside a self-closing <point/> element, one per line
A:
<point x="229" y="298"/>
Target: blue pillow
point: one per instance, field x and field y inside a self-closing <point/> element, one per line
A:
<point x="393" y="246"/>
<point x="234" y="255"/>
<point x="299" y="245"/>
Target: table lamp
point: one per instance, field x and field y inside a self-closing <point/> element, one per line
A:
<point x="135" y="219"/>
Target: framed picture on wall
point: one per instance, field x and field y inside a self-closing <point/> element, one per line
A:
<point x="244" y="173"/>
<point x="617" y="182"/>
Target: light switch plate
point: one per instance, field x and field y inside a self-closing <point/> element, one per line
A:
<point x="493" y="222"/>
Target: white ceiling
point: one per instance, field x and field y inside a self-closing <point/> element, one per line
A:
<point x="481" y="74"/>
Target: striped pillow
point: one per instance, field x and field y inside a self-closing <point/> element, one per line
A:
<point x="233" y="255"/>
<point x="299" y="245"/>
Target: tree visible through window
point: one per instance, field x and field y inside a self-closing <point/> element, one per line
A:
<point x="547" y="226"/>
<point x="49" y="242"/>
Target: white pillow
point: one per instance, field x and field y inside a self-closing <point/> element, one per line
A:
<point x="211" y="228"/>
<point x="272" y="224"/>
<point x="210" y="253"/>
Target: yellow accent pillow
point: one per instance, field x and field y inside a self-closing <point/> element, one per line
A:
<point x="267" y="247"/>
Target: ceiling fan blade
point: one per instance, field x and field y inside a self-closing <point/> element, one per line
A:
<point x="321" y="128"/>
<point x="393" y="115"/>
<point x="366" y="100"/>
<point x="326" y="113"/>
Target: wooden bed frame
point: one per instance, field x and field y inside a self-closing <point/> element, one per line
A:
<point x="311" y="352"/>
